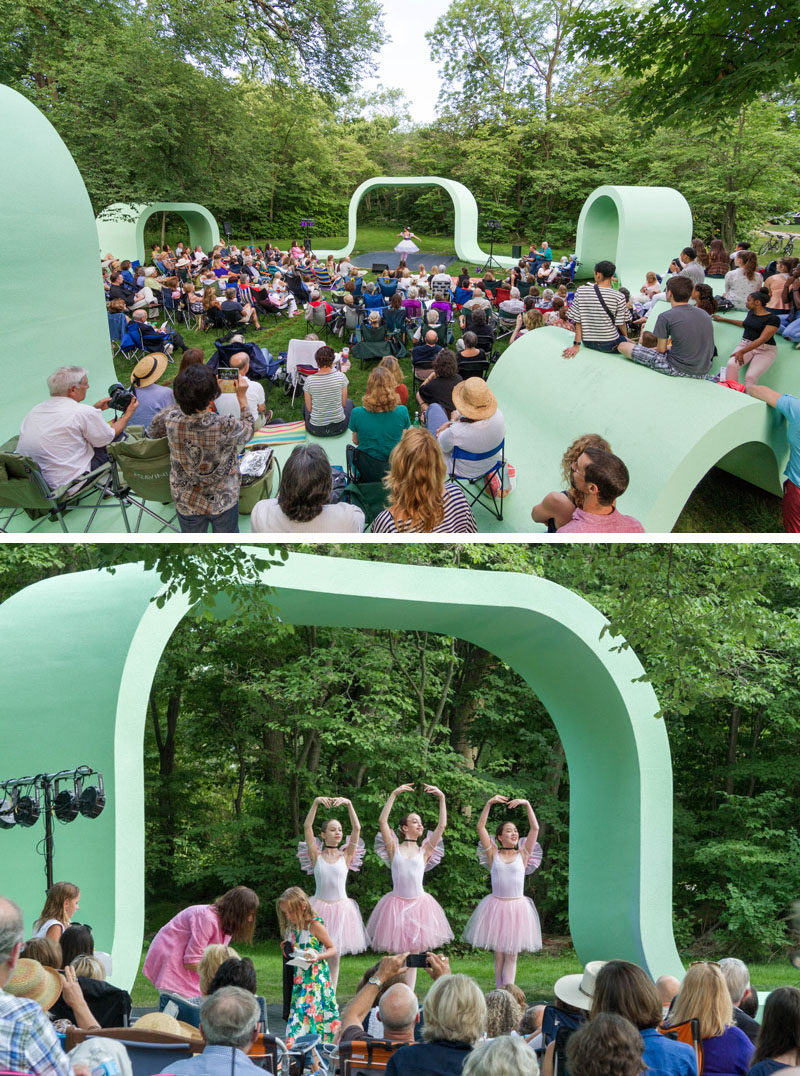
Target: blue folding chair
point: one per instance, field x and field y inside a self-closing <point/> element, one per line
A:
<point x="172" y="311"/>
<point x="117" y="324"/>
<point x="461" y="296"/>
<point x="483" y="481"/>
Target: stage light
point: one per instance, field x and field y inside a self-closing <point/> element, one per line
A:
<point x="92" y="800"/>
<point x="7" y="820"/>
<point x="493" y="225"/>
<point x="66" y="805"/>
<point x="27" y="808"/>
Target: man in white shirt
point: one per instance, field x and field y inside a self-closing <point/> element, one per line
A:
<point x="65" y="436"/>
<point x="440" y="280"/>
<point x="228" y="404"/>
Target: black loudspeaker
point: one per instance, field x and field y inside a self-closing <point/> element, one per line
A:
<point x="516" y="251"/>
<point x="227" y="229"/>
<point x="379" y="267"/>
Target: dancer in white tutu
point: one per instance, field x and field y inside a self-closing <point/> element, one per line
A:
<point x="409" y="920"/>
<point x="506" y="921"/>
<point x="322" y="857"/>
<point x="406" y="246"/>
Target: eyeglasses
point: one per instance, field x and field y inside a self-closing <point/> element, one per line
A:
<point x="705" y="964"/>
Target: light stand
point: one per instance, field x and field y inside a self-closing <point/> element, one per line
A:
<point x="19" y="798"/>
<point x="492" y="227"/>
<point x="307" y="225"/>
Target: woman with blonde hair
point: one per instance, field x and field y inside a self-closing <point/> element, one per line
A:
<point x="61" y="903"/>
<point x="558" y="507"/>
<point x="212" y="959"/>
<point x="502" y="1013"/>
<point x="704" y="997"/>
<point x="378" y="424"/>
<point x="454" y="1019"/>
<point x="313" y="1007"/>
<point x="527" y="322"/>
<point x="499" y="1057"/>
<point x="421" y="500"/>
<point x="390" y="363"/>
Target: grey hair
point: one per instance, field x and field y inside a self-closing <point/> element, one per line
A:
<point x="11" y="928"/>
<point x="139" y="315"/>
<point x="314" y="295"/>
<point x="370" y="287"/>
<point x="514" y="293"/>
<point x="432" y="317"/>
<point x="398" y="1007"/>
<point x="229" y="1017"/>
<point x="509" y="1053"/>
<point x="470" y="339"/>
<point x="737" y="977"/>
<point x="413" y="292"/>
<point x="65" y="378"/>
<point x="454" y="1010"/>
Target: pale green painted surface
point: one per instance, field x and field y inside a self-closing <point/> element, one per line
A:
<point x="467" y="246"/>
<point x="87" y="703"/>
<point x="46" y="218"/>
<point x="638" y="228"/>
<point x="120" y="227"/>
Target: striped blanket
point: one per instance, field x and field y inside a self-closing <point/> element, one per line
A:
<point x="285" y="433"/>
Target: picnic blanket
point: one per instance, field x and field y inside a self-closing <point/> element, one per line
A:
<point x="283" y="433"/>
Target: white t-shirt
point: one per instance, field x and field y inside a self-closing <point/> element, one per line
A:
<point x="227" y="403"/>
<point x="62" y="435"/>
<point x="341" y="518"/>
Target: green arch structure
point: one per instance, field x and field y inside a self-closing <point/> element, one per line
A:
<point x="120" y="227"/>
<point x="88" y="702"/>
<point x="467" y="246"/>
<point x="45" y="218"/>
<point x="638" y="228"/>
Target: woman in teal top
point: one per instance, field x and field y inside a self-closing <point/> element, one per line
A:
<point x="378" y="424"/>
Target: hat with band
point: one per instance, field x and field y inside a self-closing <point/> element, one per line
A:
<point x="149" y="369"/>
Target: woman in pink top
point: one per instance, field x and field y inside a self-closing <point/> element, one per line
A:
<point x="776" y="285"/>
<point x="176" y="951"/>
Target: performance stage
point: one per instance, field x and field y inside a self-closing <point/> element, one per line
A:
<point x="392" y="259"/>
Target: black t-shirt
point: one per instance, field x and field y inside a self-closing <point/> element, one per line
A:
<point x="479" y="357"/>
<point x="121" y="291"/>
<point x="754" y="325"/>
<point x="231" y="305"/>
<point x="440" y="390"/>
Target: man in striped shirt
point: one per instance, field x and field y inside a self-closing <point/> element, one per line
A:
<point x="599" y="313"/>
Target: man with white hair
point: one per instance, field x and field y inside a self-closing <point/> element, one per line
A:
<point x="141" y="333"/>
<point x="512" y="306"/>
<point x="65" y="436"/>
<point x="737" y="978"/>
<point x="229" y="1024"/>
<point x="228" y="404"/>
<point x="440" y="280"/>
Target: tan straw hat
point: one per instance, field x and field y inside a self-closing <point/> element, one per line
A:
<point x="578" y="990"/>
<point x="474" y="399"/>
<point x="149" y="369"/>
<point x="167" y="1025"/>
<point x="30" y="979"/>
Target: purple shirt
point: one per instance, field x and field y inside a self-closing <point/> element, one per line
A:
<point x="727" y="1054"/>
<point x="591" y="523"/>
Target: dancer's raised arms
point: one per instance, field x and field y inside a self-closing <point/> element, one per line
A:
<point x="389" y="838"/>
<point x="308" y="825"/>
<point x="429" y="847"/>
<point x="355" y="828"/>
<point x="533" y="833"/>
<point x="487" y="844"/>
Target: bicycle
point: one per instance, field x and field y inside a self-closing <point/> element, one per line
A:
<point x="773" y="243"/>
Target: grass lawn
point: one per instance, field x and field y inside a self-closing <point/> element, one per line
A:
<point x="720" y="503"/>
<point x="536" y="973"/>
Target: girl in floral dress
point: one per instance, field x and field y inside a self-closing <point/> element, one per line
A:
<point x="314" y="1010"/>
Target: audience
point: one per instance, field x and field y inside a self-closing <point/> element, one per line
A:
<point x="607" y="1045"/>
<point x="506" y="1056"/>
<point x="737" y="980"/>
<point x="378" y="424"/>
<point x="454" y="1015"/>
<point x="390" y="363"/>
<point x="327" y="409"/>
<point x="422" y="355"/>
<point x="757" y="349"/>
<point x="789" y="407"/>
<point x="704" y="997"/>
<point x="476" y="425"/>
<point x="743" y="280"/>
<point x="304" y="496"/>
<point x="599" y="313"/>
<point x="420" y="498"/>
<point x="227" y="403"/>
<point x="778" y="1042"/>
<point x="229" y="1021"/>
<point x="685" y="336"/>
<point x="502" y="1013"/>
<point x="600" y="478"/>
<point x="435" y="393"/>
<point x="152" y="396"/>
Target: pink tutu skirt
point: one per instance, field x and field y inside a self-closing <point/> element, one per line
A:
<point x="504" y="926"/>
<point x="342" y="919"/>
<point x="408" y="926"/>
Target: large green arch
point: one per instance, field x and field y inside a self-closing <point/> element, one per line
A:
<point x="104" y="637"/>
<point x="638" y="228"/>
<point x="120" y="227"/>
<point x="468" y="248"/>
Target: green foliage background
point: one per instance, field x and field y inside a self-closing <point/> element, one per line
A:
<point x="250" y="719"/>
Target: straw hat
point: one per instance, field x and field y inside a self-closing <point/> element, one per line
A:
<point x="30" y="979"/>
<point x="149" y="369"/>
<point x="474" y="399"/>
<point x="167" y="1025"/>
<point x="578" y="990"/>
<point x="182" y="262"/>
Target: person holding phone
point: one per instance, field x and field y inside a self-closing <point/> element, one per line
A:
<point x="409" y="920"/>
<point x="506" y="921"/>
<point x="322" y="857"/>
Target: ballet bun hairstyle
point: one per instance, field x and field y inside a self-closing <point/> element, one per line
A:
<point x="501" y="826"/>
<point x="404" y="820"/>
<point x="323" y="829"/>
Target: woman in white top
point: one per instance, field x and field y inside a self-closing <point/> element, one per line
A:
<point x="743" y="280"/>
<point x="303" y="499"/>
<point x="60" y="905"/>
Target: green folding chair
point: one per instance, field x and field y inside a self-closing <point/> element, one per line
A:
<point x="140" y="473"/>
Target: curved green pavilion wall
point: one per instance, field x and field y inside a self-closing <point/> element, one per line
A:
<point x="98" y="638"/>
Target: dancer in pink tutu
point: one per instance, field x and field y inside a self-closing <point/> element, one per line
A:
<point x="506" y="921"/>
<point x="322" y="857"/>
<point x="409" y="920"/>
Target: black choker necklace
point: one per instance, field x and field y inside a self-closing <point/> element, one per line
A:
<point x="330" y="846"/>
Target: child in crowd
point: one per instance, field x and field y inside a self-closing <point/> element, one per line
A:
<point x="313" y="1007"/>
<point x="61" y="903"/>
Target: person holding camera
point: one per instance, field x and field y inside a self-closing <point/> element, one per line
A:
<point x="67" y="437"/>
<point x="204" y="451"/>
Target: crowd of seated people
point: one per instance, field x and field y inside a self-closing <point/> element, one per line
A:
<point x="609" y="1017"/>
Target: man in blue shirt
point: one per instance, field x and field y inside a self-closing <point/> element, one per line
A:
<point x="789" y="407"/>
<point x="229" y="1023"/>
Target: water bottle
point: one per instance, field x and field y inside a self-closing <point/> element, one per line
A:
<point x="416" y="418"/>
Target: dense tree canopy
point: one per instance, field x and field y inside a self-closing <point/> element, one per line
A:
<point x="249" y="719"/>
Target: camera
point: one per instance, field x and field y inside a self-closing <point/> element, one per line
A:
<point x="119" y="396"/>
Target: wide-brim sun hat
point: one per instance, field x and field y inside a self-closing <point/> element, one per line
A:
<point x="149" y="369"/>
<point x="167" y="1025"/>
<point x="578" y="990"/>
<point x="182" y="262"/>
<point x="30" y="979"/>
<point x="474" y="399"/>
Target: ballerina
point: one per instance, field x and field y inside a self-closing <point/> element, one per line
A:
<point x="409" y="920"/>
<point x="406" y="246"/>
<point x="506" y="921"/>
<point x="322" y="857"/>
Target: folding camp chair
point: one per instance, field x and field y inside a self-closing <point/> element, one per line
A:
<point x="117" y="324"/>
<point x="473" y="368"/>
<point x="365" y="1056"/>
<point x="483" y="481"/>
<point x="172" y="310"/>
<point x="461" y="296"/>
<point x="149" y="1051"/>
<point x="372" y="347"/>
<point x="23" y="488"/>
<point x="140" y="468"/>
<point x="317" y="319"/>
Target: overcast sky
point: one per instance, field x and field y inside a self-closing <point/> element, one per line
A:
<point x="405" y="61"/>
